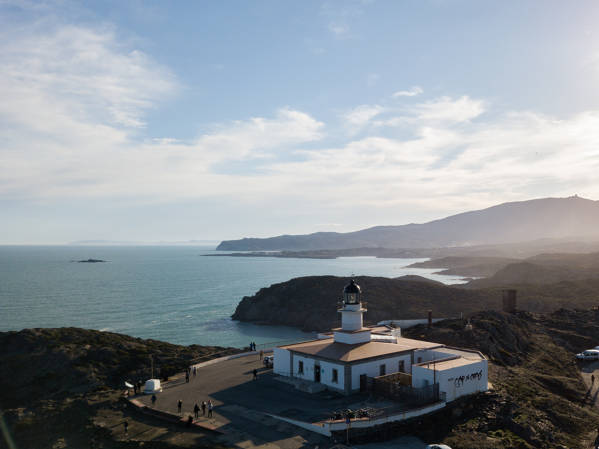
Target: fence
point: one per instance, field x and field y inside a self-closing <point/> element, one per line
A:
<point x="406" y="394"/>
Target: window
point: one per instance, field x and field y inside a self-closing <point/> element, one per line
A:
<point x="402" y="366"/>
<point x="335" y="376"/>
<point x="300" y="367"/>
<point x="382" y="369"/>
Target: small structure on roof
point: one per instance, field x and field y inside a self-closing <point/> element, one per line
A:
<point x="348" y="358"/>
<point x="152" y="386"/>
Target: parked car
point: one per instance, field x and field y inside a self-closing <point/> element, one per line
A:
<point x="589" y="354"/>
<point x="438" y="446"/>
<point x="268" y="361"/>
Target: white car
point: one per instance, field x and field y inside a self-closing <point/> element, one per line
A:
<point x="589" y="354"/>
<point x="268" y="361"/>
<point x="438" y="446"/>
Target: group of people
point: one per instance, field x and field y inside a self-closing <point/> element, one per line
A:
<point x="189" y="371"/>
<point x="252" y="346"/>
<point x="204" y="407"/>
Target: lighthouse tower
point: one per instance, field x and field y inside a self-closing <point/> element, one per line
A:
<point x="352" y="313"/>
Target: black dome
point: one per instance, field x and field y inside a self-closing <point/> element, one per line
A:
<point x="352" y="287"/>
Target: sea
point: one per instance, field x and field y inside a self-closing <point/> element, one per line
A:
<point x="169" y="293"/>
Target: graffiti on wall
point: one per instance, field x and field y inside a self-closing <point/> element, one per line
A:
<point x="459" y="381"/>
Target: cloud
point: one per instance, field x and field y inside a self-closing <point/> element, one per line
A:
<point x="449" y="109"/>
<point x="412" y="92"/>
<point x="362" y="115"/>
<point x="74" y="101"/>
<point x="76" y="74"/>
<point x="259" y="136"/>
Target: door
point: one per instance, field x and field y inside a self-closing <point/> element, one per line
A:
<point x="316" y="373"/>
<point x="363" y="383"/>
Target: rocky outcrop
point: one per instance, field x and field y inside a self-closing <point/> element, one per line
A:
<point x="311" y="302"/>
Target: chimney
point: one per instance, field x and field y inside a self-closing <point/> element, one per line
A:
<point x="430" y="319"/>
<point x="509" y="300"/>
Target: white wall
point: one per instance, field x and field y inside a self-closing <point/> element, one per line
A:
<point x="326" y="371"/>
<point x="282" y="358"/>
<point x="371" y="369"/>
<point x="326" y="375"/>
<point x="430" y="354"/>
<point x="454" y="382"/>
<point x="352" y="338"/>
<point x="308" y="373"/>
<point x="351" y="317"/>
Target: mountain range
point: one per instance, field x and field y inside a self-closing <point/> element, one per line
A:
<point x="545" y="218"/>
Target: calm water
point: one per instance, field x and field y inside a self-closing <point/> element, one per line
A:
<point x="167" y="293"/>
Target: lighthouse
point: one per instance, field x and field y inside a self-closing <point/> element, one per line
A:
<point x="352" y="330"/>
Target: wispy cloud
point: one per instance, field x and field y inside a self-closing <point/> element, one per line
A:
<point x="412" y="92"/>
<point x="83" y="72"/>
<point x="361" y="115"/>
<point x="449" y="109"/>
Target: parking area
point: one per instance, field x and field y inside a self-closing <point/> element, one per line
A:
<point x="242" y="404"/>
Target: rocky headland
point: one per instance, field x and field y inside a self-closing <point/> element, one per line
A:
<point x="310" y="302"/>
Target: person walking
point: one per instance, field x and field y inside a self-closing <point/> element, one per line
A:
<point x="153" y="400"/>
<point x="126" y="426"/>
<point x="203" y="408"/>
<point x="187" y="376"/>
<point x="255" y="374"/>
<point x="195" y="370"/>
<point x="261" y="354"/>
<point x="196" y="411"/>
<point x="179" y="405"/>
<point x="210" y="406"/>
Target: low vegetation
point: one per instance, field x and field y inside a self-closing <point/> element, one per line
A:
<point x="56" y="381"/>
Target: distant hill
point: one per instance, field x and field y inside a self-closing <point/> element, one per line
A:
<point x="547" y="218"/>
<point x="543" y="269"/>
<point x="473" y="266"/>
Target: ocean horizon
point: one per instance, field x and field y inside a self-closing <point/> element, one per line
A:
<point x="169" y="293"/>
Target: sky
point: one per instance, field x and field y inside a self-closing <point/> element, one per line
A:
<point x="174" y="121"/>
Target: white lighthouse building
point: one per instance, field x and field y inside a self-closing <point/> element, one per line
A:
<point x="345" y="359"/>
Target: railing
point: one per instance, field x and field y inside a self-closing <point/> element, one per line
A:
<point x="405" y="393"/>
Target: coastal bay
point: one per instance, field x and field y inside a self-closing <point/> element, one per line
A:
<point x="172" y="294"/>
